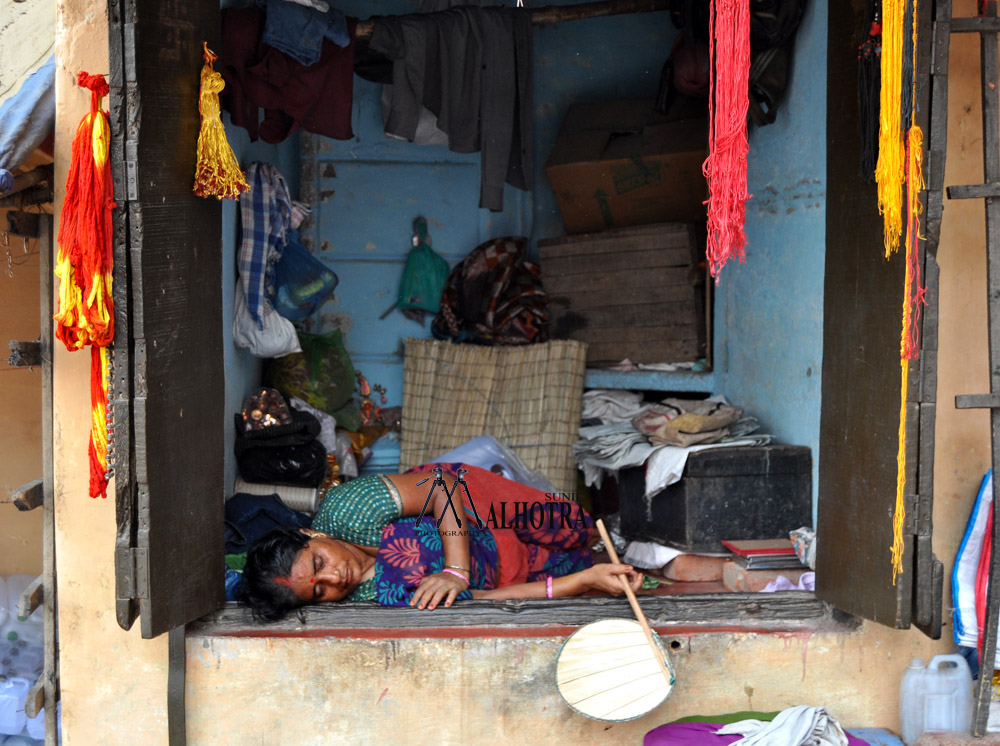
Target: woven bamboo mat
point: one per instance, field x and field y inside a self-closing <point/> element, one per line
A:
<point x="528" y="397"/>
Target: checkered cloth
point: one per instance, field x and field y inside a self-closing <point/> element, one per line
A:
<point x="265" y="212"/>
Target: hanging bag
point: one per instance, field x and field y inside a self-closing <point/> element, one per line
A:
<point x="423" y="279"/>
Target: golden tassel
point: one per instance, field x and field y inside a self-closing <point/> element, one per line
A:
<point x="218" y="173"/>
<point x="891" y="149"/>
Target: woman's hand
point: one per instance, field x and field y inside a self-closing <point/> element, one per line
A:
<point x="605" y="576"/>
<point x="441" y="586"/>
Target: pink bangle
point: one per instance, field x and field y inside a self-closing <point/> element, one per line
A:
<point x="456" y="574"/>
<point x="548" y="587"/>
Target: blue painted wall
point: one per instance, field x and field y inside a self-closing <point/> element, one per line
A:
<point x="768" y="321"/>
<point x="769" y="311"/>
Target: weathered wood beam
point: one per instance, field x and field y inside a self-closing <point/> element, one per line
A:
<point x="22" y="223"/>
<point x="25" y="354"/>
<point x="558" y="13"/>
<point x="36" y="195"/>
<point x="30" y="179"/>
<point x="28" y="496"/>
<point x="31" y="597"/>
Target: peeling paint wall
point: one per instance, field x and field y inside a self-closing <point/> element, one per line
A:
<point x="332" y="691"/>
<point x="477" y="691"/>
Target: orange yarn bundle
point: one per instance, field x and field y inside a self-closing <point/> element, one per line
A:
<point x="217" y="173"/>
<point x="84" y="266"/>
<point x="726" y="166"/>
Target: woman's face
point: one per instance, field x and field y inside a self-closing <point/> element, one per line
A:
<point x="326" y="569"/>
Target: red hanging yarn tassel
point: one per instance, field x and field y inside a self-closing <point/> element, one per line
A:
<point x="726" y="165"/>
<point x="84" y="261"/>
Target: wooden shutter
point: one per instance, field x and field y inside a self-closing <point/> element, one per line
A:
<point x="861" y="386"/>
<point x="169" y="390"/>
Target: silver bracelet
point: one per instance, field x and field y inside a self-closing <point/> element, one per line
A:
<point x="458" y="567"/>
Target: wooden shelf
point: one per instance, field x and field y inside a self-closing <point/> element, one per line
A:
<point x="651" y="380"/>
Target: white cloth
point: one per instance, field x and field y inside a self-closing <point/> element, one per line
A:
<point x="612" y="405"/>
<point x="277" y="337"/>
<point x="807" y="582"/>
<point x="666" y="463"/>
<point x="649" y="555"/>
<point x="797" y="726"/>
<point x="609" y="448"/>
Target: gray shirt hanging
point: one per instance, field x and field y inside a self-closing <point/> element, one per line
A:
<point x="471" y="67"/>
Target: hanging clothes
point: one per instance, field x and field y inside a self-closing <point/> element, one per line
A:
<point x="298" y="31"/>
<point x="316" y="98"/>
<point x="471" y="67"/>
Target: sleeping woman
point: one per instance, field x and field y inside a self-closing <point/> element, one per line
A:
<point x="401" y="540"/>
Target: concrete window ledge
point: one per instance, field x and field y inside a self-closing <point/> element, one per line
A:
<point x="677" y="614"/>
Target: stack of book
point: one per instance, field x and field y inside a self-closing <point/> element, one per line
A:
<point x="764" y="554"/>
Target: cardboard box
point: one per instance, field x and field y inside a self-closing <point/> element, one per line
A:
<point x="637" y="293"/>
<point x="621" y="163"/>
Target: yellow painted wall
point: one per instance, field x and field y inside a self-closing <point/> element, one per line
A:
<point x="291" y="691"/>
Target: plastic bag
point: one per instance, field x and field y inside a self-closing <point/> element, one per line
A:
<point x="275" y="339"/>
<point x="302" y="282"/>
<point x="424" y="274"/>
<point x="322" y="376"/>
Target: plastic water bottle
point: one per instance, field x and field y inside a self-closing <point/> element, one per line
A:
<point x="13" y="694"/>
<point x="936" y="698"/>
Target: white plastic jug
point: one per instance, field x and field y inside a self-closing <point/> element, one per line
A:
<point x="13" y="694"/>
<point x="936" y="698"/>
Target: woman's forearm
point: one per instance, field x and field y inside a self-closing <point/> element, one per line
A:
<point x="570" y="585"/>
<point x="454" y="539"/>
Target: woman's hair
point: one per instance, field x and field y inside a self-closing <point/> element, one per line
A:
<point x="268" y="558"/>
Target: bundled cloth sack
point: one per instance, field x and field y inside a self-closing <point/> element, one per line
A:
<point x="494" y="297"/>
<point x="687" y="422"/>
<point x="276" y="444"/>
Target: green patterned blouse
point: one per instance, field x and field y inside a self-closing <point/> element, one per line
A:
<point x="357" y="511"/>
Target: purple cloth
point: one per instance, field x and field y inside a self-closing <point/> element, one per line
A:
<point x="703" y="734"/>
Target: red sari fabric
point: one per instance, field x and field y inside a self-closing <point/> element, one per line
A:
<point x="528" y="538"/>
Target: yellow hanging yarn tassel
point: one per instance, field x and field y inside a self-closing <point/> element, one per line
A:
<point x="891" y="150"/>
<point x="912" y="292"/>
<point x="218" y="173"/>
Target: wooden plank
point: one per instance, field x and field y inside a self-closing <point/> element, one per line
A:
<point x="31" y="597"/>
<point x="988" y="49"/>
<point x="984" y="25"/>
<point x="176" y="315"/>
<point x="623" y="282"/>
<point x="28" y="496"/>
<point x="49" y="688"/>
<point x="973" y="191"/>
<point x="743" y="610"/>
<point x="23" y="224"/>
<point x="557" y="14"/>
<point x="977" y="401"/>
<point x="615" y="296"/>
<point x="861" y="369"/>
<point x="614" y="259"/>
<point x="176" y="674"/>
<point x="566" y="320"/>
<point x="600" y="353"/>
<point x="24" y="354"/>
<point x="126" y="495"/>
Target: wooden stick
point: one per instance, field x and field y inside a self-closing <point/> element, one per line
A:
<point x="658" y="652"/>
<point x="558" y="13"/>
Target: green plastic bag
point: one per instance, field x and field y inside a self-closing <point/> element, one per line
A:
<point x="322" y="375"/>
<point x="424" y="274"/>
